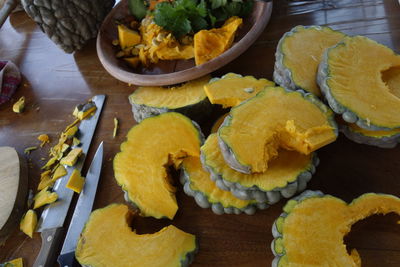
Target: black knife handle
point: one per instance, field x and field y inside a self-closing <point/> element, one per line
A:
<point x="51" y="240"/>
<point x="68" y="260"/>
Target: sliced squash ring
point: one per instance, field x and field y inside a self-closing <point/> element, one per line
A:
<point x="141" y="166"/>
<point x="382" y="139"/>
<point x="298" y="55"/>
<point x="318" y="223"/>
<point x="108" y="240"/>
<point x="350" y="77"/>
<point x="253" y="132"/>
<point x="197" y="184"/>
<point x="287" y="174"/>
<point x="188" y="99"/>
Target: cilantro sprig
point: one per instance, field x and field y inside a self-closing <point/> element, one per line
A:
<point x="183" y="17"/>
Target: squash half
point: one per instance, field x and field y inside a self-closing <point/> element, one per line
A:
<point x="232" y="89"/>
<point x="352" y="78"/>
<point x="141" y="166"/>
<point x="275" y="118"/>
<point x="188" y="99"/>
<point x="306" y="224"/>
<point x="287" y="174"/>
<point x="108" y="240"/>
<point x="197" y="184"/>
<point x="298" y="55"/>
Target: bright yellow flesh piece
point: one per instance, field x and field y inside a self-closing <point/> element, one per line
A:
<point x="45" y="180"/>
<point x="318" y="226"/>
<point x="209" y="44"/>
<point x="151" y="146"/>
<point x="233" y="89"/>
<point x="76" y="181"/>
<point x="72" y="157"/>
<point x="59" y="172"/>
<point x="200" y="181"/>
<point x="276" y="118"/>
<point x="132" y="61"/>
<point x="285" y="168"/>
<point x="355" y="80"/>
<point x="107" y="240"/>
<point x="303" y="52"/>
<point x="44" y="197"/>
<point x="174" y="97"/>
<point x="15" y="263"/>
<point x="28" y="223"/>
<point x="127" y="37"/>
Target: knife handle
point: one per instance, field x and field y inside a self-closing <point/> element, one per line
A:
<point x="68" y="260"/>
<point x="51" y="239"/>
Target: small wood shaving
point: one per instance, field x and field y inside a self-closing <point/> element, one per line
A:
<point x="115" y="127"/>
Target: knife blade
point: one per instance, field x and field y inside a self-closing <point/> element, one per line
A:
<point x="82" y="211"/>
<point x="53" y="216"/>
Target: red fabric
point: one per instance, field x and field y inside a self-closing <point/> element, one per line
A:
<point x="10" y="78"/>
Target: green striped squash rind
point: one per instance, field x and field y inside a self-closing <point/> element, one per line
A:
<point x="283" y="75"/>
<point x="347" y="113"/>
<point x="389" y="141"/>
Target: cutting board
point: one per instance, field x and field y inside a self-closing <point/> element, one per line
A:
<point x="13" y="190"/>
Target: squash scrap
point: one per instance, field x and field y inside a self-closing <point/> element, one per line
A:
<point x="108" y="240"/>
<point x="59" y="172"/>
<point x="72" y="157"/>
<point x="45" y="180"/>
<point x="209" y="44"/>
<point x="50" y="163"/>
<point x="14" y="263"/>
<point x="132" y="61"/>
<point x="44" y="138"/>
<point x="70" y="132"/>
<point x="19" y="106"/>
<point x="84" y="111"/>
<point x="127" y="37"/>
<point x="115" y="127"/>
<point x="76" y="141"/>
<point x="28" y="150"/>
<point x="44" y="197"/>
<point x="28" y="223"/>
<point x="76" y="181"/>
<point x="306" y="224"/>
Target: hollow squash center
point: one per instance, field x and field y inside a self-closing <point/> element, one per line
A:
<point x="391" y="77"/>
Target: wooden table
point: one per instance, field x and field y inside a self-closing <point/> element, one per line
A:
<point x="55" y="82"/>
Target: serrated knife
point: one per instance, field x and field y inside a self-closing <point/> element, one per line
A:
<point x="82" y="211"/>
<point x="53" y="216"/>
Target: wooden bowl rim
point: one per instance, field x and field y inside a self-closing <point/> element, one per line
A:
<point x="265" y="10"/>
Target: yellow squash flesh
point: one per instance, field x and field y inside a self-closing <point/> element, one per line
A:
<point x="318" y="226"/>
<point x="44" y="197"/>
<point x="127" y="37"/>
<point x="232" y="89"/>
<point x="276" y="118"/>
<point x="76" y="181"/>
<point x="141" y="166"/>
<point x="358" y="78"/>
<point x="108" y="240"/>
<point x="28" y="223"/>
<point x="209" y="44"/>
<point x="285" y="168"/>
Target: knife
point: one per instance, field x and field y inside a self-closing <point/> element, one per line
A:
<point x="82" y="211"/>
<point x="53" y="216"/>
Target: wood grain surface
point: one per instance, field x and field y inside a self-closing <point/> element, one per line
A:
<point x="55" y="82"/>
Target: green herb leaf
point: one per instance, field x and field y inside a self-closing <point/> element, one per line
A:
<point x="172" y="19"/>
<point x="137" y="8"/>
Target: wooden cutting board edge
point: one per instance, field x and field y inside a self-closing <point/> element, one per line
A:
<point x="20" y="203"/>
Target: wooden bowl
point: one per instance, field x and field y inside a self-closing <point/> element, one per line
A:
<point x="174" y="71"/>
